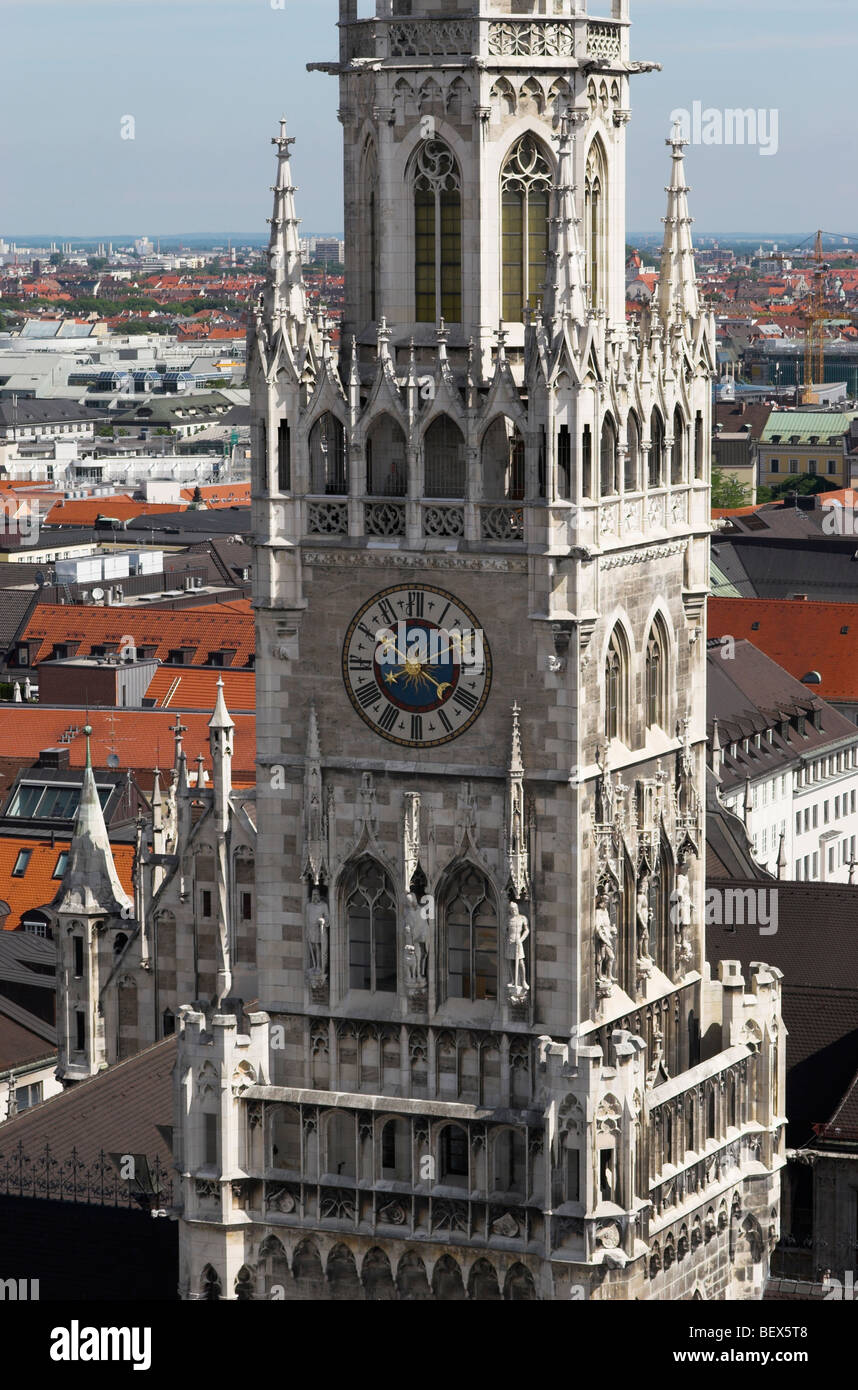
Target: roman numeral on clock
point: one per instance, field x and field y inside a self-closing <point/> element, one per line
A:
<point x="417" y="726"/>
<point x="387" y="720"/>
<point x="415" y="604"/>
<point x="387" y="612"/>
<point x="465" y="699"/>
<point x="359" y="663"/>
<point x="368" y="694"/>
<point x="445" y="721"/>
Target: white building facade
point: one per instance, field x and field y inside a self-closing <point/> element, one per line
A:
<point x="487" y="1059"/>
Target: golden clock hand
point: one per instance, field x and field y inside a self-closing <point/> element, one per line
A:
<point x="440" y="686"/>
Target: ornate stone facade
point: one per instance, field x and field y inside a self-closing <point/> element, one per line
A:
<point x="487" y="1058"/>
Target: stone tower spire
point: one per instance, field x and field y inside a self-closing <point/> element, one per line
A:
<point x="221" y="728"/>
<point x="564" y="288"/>
<point x="676" y="297"/>
<point x="285" y="297"/>
<point x="90" y="882"/>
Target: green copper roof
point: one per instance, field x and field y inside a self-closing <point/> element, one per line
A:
<point x="804" y="425"/>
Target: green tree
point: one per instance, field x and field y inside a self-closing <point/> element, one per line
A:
<point x="727" y="491"/>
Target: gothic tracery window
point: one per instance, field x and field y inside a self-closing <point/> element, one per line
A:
<point x="437" y="234"/>
<point x="616" y="687"/>
<point x="471" y="925"/>
<point x="633" y="453"/>
<point x="677" y="451"/>
<point x="656" y="451"/>
<point x="656" y="677"/>
<point x="595" y="223"/>
<point x="503" y="460"/>
<point x="608" y="458"/>
<point x="371" y="927"/>
<point x="328" y="457"/>
<point x="444" y="459"/>
<point x="525" y="192"/>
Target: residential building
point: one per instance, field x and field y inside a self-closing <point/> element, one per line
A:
<point x="795" y="443"/>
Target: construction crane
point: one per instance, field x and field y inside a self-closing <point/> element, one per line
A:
<point x="814" y="318"/>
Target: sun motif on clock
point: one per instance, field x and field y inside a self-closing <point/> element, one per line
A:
<point x="416" y="665"/>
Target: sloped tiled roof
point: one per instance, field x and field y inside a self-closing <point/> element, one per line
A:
<point x="141" y="738"/>
<point x="126" y="1109"/>
<point x="215" y="629"/>
<point x="37" y="886"/>
<point x="799" y="635"/>
<point x="19" y="1045"/>
<point x="85" y="511"/>
<point x="176" y="688"/>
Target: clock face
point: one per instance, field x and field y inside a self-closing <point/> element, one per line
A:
<point x="416" y="665"/>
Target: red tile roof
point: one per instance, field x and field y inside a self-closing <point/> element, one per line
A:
<point x="141" y="738"/>
<point x="174" y="688"/>
<point x="217" y="628"/>
<point x="221" y="494"/>
<point x="84" y="511"/>
<point x="799" y="635"/>
<point x="37" y="886"/>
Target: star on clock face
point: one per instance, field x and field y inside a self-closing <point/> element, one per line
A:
<point x="416" y="665"/>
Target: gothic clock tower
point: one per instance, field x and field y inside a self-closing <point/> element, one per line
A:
<point x="486" y="1059"/>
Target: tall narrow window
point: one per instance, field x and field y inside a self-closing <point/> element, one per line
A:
<point x="564" y="463"/>
<point x="656" y="681"/>
<point x="367" y="248"/>
<point x="586" y="462"/>
<point x="698" y="445"/>
<point x="386" y="463"/>
<point x="656" y="452"/>
<point x="677" y="451"/>
<point x="437" y="235"/>
<point x="525" y="191"/>
<point x="633" y="453"/>
<point x="284" y="457"/>
<point x="541" y="470"/>
<point x="595" y="223"/>
<point x="472" y="931"/>
<point x="371" y="924"/>
<point x="328" y="457"/>
<point x="502" y="461"/>
<point x="608" y="458"/>
<point x="616" y="679"/>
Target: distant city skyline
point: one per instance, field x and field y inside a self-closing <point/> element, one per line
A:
<point x="205" y="82"/>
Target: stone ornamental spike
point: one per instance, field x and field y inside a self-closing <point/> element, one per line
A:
<point x="516" y="825"/>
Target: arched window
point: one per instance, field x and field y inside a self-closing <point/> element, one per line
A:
<point x="286" y="1139"/>
<point x="595" y="223"/>
<point x="503" y="461"/>
<point x="699" y="461"/>
<point x="656" y="676"/>
<point x="437" y="234"/>
<point x="328" y="457"/>
<point x="444" y="459"/>
<point x="525" y="191"/>
<point x="656" y="452"/>
<point x="471" y="923"/>
<point x="371" y="926"/>
<point x="677" y="451"/>
<point x="453" y="1156"/>
<point x="616" y="687"/>
<point x="210" y="1285"/>
<point x="608" y="458"/>
<point x="386" y="463"/>
<point x="633" y="453"/>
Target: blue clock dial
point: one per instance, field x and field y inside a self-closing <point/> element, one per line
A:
<point x="416" y="665"/>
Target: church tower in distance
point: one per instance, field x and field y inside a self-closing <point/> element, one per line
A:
<point x="484" y="1056"/>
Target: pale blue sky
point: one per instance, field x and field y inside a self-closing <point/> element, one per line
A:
<point x="206" y="81"/>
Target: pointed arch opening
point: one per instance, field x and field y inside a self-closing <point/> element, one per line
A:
<point x="370" y="916"/>
<point x="633" y="453"/>
<point x="617" y="687"/>
<point x="369" y="239"/>
<point x="525" y="193"/>
<point x="595" y="222"/>
<point x="444" y="459"/>
<point x="502" y="461"/>
<point x="678" y="449"/>
<point x="656" y="449"/>
<point x="657" y="685"/>
<point x="386" y="460"/>
<point x="469" y="922"/>
<point x="437" y="234"/>
<point x="608" y="473"/>
<point x="328" y="457"/>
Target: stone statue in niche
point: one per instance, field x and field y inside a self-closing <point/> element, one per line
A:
<point x="517" y="932"/>
<point x="682" y="912"/>
<point x="318" y="928"/>
<point x="605" y="953"/>
<point x="416" y="944"/>
<point x="643" y="925"/>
